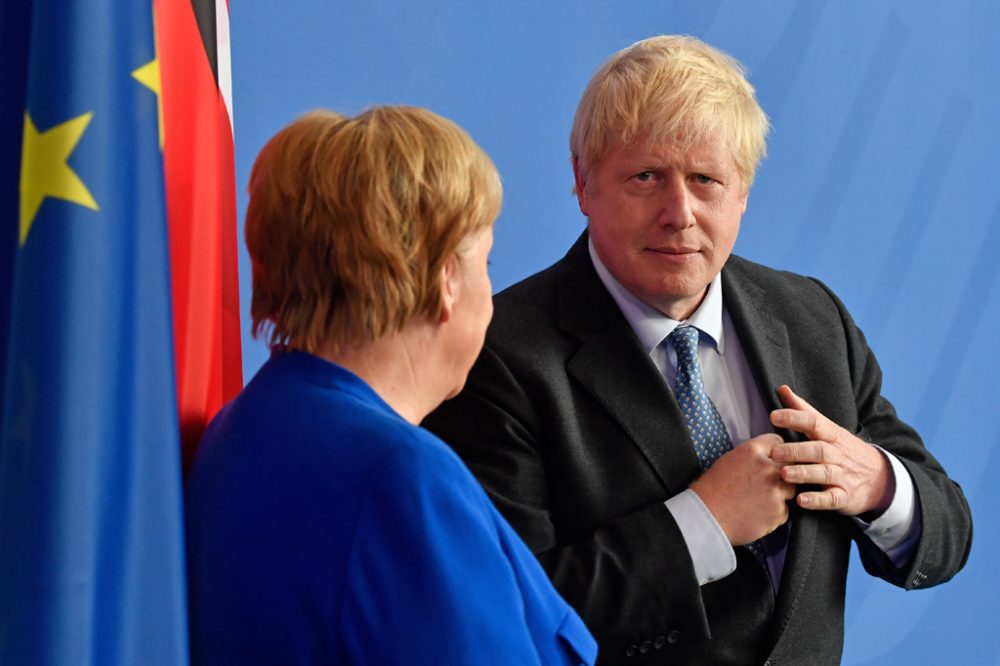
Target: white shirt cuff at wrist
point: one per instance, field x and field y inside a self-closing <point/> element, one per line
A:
<point x="710" y="550"/>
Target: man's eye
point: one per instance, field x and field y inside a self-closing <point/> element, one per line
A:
<point x="703" y="179"/>
<point x="644" y="176"/>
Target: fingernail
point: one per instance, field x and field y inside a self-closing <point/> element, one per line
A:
<point x="804" y="500"/>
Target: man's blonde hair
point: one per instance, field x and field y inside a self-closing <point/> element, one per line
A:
<point x="675" y="88"/>
<point x="351" y="221"/>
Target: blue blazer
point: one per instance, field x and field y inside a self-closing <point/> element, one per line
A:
<point x="324" y="528"/>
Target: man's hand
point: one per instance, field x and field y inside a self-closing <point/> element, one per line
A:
<point x="744" y="491"/>
<point x="854" y="475"/>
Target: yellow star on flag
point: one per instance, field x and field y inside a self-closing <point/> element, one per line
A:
<point x="44" y="171"/>
<point x="149" y="76"/>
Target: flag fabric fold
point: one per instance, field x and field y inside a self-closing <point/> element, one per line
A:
<point x="91" y="561"/>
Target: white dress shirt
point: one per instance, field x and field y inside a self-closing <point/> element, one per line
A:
<point x="730" y="385"/>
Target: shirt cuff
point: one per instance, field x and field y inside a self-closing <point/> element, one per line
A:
<point x="897" y="530"/>
<point x="710" y="550"/>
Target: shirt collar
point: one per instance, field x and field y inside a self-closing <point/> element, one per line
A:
<point x="652" y="326"/>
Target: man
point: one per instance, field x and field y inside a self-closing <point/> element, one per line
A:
<point x="689" y="441"/>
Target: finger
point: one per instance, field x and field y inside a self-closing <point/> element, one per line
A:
<point x="780" y="518"/>
<point x="803" y="452"/>
<point x="824" y="475"/>
<point x="811" y="424"/>
<point x="762" y="444"/>
<point x="792" y="400"/>
<point x="830" y="499"/>
<point x="796" y="420"/>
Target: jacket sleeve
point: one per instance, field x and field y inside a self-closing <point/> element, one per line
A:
<point x="946" y="522"/>
<point x="432" y="578"/>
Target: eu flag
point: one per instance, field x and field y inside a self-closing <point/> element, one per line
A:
<point x="91" y="539"/>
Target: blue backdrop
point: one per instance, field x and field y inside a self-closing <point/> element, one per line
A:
<point x="880" y="180"/>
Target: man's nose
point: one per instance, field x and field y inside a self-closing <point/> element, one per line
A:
<point x="675" y="204"/>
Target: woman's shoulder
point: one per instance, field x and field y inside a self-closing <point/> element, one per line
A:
<point x="414" y="457"/>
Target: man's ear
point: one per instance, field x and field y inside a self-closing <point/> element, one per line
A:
<point x="580" y="180"/>
<point x="450" y="286"/>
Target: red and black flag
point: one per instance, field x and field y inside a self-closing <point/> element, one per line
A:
<point x="201" y="207"/>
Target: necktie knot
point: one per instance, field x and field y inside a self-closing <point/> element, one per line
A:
<point x="685" y="341"/>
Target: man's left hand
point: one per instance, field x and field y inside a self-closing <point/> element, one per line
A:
<point x="855" y="477"/>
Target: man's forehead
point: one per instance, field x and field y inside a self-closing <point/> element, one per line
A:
<point x="703" y="148"/>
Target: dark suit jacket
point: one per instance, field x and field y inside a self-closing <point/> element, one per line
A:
<point x="578" y="440"/>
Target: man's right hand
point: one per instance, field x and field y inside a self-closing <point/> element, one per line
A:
<point x="744" y="491"/>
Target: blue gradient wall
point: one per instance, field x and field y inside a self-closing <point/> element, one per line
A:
<point x="883" y="180"/>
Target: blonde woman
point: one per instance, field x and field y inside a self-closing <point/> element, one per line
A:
<point x="324" y="525"/>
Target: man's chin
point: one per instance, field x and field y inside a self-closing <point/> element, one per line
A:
<point x="677" y="300"/>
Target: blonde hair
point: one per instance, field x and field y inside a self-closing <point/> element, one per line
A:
<point x="676" y="88"/>
<point x="351" y="221"/>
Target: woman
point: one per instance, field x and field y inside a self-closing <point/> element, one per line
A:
<point x="324" y="525"/>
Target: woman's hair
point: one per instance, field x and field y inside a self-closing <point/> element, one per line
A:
<point x="675" y="88"/>
<point x="351" y="220"/>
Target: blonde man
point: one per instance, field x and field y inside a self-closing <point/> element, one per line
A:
<point x="325" y="526"/>
<point x="633" y="415"/>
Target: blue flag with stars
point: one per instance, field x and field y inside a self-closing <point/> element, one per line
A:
<point x="91" y="538"/>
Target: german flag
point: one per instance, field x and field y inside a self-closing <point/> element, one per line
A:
<point x="201" y="207"/>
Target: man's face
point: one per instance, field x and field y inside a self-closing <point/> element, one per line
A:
<point x="664" y="220"/>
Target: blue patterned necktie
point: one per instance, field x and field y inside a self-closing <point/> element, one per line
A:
<point x="704" y="424"/>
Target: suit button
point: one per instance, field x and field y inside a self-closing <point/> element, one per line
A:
<point x="660" y="642"/>
<point x="673" y="636"/>
<point x="645" y="647"/>
<point x="631" y="650"/>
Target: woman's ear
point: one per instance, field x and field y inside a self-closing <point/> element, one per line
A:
<point x="450" y="286"/>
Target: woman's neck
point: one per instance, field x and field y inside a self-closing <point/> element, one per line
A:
<point x="399" y="367"/>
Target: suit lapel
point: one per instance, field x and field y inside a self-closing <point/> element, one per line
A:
<point x="764" y="337"/>
<point x="765" y="341"/>
<point x="611" y="365"/>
